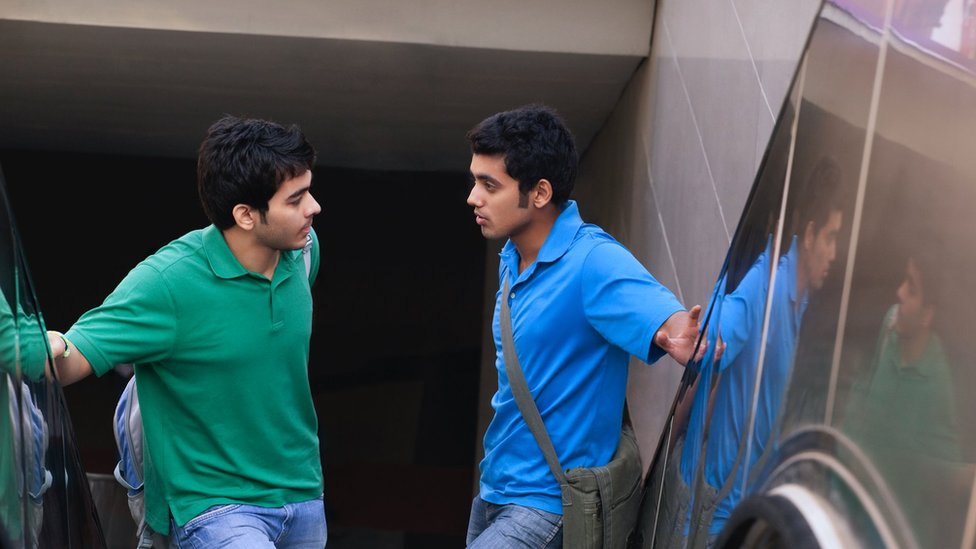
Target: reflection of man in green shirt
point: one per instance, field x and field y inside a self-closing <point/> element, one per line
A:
<point x="23" y="429"/>
<point x="903" y="415"/>
<point x="10" y="497"/>
<point x="908" y="403"/>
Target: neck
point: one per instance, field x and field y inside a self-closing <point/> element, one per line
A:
<point x="801" y="283"/>
<point x="530" y="240"/>
<point x="250" y="253"/>
<point x="911" y="348"/>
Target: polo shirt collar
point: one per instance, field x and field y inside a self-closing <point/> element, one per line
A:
<point x="562" y="234"/>
<point x="222" y="260"/>
<point x="557" y="242"/>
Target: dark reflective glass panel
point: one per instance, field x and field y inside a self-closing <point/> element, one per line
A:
<point x="14" y="453"/>
<point x="713" y="453"/>
<point x="791" y="282"/>
<point x="905" y="365"/>
<point x="46" y="499"/>
<point x="831" y="138"/>
<point x="840" y="358"/>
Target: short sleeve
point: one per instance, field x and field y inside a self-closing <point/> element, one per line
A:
<point x="623" y="302"/>
<point x="741" y="315"/>
<point x="136" y="323"/>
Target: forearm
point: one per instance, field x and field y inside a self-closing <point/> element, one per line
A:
<point x="71" y="368"/>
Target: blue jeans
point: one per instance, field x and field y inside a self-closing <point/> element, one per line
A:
<point x="294" y="526"/>
<point x="502" y="526"/>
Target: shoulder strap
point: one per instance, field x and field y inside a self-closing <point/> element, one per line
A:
<point x="524" y="399"/>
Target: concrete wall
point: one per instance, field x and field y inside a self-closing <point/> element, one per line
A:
<point x="614" y="27"/>
<point x="670" y="172"/>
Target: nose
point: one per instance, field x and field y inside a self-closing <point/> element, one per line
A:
<point x="902" y="291"/>
<point x="473" y="197"/>
<point x="314" y="207"/>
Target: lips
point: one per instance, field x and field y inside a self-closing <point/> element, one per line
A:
<point x="480" y="220"/>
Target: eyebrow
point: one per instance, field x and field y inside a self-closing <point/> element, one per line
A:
<point x="485" y="177"/>
<point x="299" y="192"/>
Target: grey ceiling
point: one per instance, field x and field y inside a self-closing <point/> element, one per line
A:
<point x="363" y="104"/>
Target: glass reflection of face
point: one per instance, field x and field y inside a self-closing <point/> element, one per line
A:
<point x="820" y="249"/>
<point x="914" y="315"/>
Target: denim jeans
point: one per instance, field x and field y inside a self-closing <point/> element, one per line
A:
<point x="294" y="526"/>
<point x="502" y="526"/>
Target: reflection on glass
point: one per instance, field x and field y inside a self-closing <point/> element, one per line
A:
<point x="32" y="361"/>
<point x="741" y="288"/>
<point x="842" y="357"/>
<point x="24" y="478"/>
<point x="941" y="25"/>
<point x="37" y="479"/>
<point x="734" y="447"/>
<point x="908" y="366"/>
<point x="44" y="495"/>
<point x="11" y="433"/>
<point x="906" y="372"/>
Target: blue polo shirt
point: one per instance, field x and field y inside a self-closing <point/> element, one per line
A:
<point x="578" y="312"/>
<point x="740" y="316"/>
<point x="740" y="324"/>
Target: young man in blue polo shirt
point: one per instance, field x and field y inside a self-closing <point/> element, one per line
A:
<point x="217" y="324"/>
<point x="581" y="304"/>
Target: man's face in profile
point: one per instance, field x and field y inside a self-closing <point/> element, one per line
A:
<point x="913" y="315"/>
<point x="820" y="249"/>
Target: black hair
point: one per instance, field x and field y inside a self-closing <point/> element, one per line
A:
<point x="821" y="193"/>
<point x="535" y="143"/>
<point x="244" y="161"/>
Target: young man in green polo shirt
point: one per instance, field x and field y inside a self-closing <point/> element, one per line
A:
<point x="217" y="324"/>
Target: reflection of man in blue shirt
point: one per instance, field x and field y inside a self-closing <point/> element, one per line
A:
<point x="802" y="268"/>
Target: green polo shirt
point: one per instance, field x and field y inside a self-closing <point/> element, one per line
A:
<point x="908" y="407"/>
<point x="221" y="359"/>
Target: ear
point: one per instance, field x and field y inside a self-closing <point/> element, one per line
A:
<point x="244" y="216"/>
<point x="809" y="235"/>
<point x="542" y="193"/>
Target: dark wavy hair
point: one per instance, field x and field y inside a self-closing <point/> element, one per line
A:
<point x="535" y="143"/>
<point x="822" y="192"/>
<point x="244" y="161"/>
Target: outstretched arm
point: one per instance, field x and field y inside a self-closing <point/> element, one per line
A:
<point x="71" y="368"/>
<point x="678" y="335"/>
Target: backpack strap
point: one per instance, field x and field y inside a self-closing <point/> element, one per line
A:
<point x="307" y="254"/>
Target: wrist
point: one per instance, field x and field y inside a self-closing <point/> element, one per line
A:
<point x="67" y="349"/>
